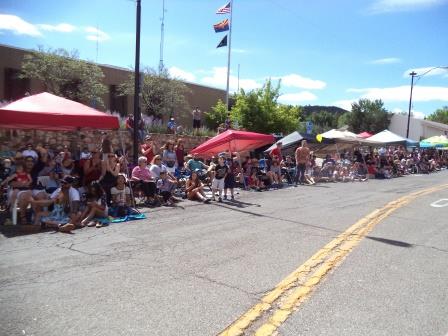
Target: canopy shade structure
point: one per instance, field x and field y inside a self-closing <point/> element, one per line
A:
<point x="287" y="141"/>
<point x="365" y="135"/>
<point x="344" y="137"/>
<point x="336" y="134"/>
<point x="438" y="141"/>
<point x="45" y="111"/>
<point x="233" y="141"/>
<point x="386" y="137"/>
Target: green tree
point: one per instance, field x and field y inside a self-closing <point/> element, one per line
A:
<point x="440" y="115"/>
<point x="368" y="115"/>
<point x="160" y="93"/>
<point x="259" y="111"/>
<point x="216" y="116"/>
<point x="64" y="74"/>
<point x="343" y="119"/>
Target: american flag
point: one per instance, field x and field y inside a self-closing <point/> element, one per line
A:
<point x="224" y="9"/>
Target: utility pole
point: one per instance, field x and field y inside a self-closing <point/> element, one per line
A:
<point x="137" y="84"/>
<point x="412" y="74"/>
<point x="162" y="37"/>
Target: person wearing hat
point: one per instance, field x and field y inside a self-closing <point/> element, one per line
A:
<point x="171" y="126"/>
<point x="65" y="215"/>
<point x="148" y="149"/>
<point x="166" y="184"/>
<point x="29" y="151"/>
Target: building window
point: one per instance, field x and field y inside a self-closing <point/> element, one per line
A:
<point x="118" y="103"/>
<point x="15" y="87"/>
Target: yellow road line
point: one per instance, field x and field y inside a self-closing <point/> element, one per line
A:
<point x="276" y="306"/>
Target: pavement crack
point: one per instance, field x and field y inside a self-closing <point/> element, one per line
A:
<point x="219" y="283"/>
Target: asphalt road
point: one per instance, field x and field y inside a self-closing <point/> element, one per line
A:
<point x="194" y="269"/>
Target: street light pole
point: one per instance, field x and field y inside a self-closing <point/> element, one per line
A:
<point x="137" y="84"/>
<point x="412" y="74"/>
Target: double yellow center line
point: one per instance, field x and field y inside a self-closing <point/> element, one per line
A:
<point x="265" y="317"/>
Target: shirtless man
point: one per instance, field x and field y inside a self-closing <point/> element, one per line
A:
<point x="302" y="157"/>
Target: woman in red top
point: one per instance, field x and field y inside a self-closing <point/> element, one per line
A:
<point x="20" y="181"/>
<point x="148" y="149"/>
<point x="180" y="153"/>
<point x="92" y="168"/>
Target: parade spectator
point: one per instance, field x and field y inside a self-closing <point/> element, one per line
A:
<point x="106" y="145"/>
<point x="302" y="155"/>
<point x="254" y="182"/>
<point x="195" y="189"/>
<point x="121" y="197"/>
<point x="194" y="164"/>
<point x="148" y="149"/>
<point x="229" y="180"/>
<point x="276" y="153"/>
<point x="180" y="153"/>
<point x="171" y="126"/>
<point x="220" y="172"/>
<point x="110" y="169"/>
<point x="96" y="206"/>
<point x="66" y="202"/>
<point x="146" y="178"/>
<point x="20" y="181"/>
<point x="29" y="151"/>
<point x="92" y="168"/>
<point x="197" y="116"/>
<point x="169" y="157"/>
<point x="165" y="184"/>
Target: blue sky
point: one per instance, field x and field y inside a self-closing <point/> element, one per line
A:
<point x="325" y="52"/>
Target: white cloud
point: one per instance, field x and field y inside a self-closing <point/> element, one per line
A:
<point x="94" y="34"/>
<point x="294" y="80"/>
<point x="219" y="79"/>
<point x="62" y="27"/>
<point x="428" y="71"/>
<point x="387" y="6"/>
<point x="401" y="93"/>
<point x="345" y="104"/>
<point x="388" y="60"/>
<point x="18" y="26"/>
<point x="181" y="74"/>
<point x="291" y="98"/>
<point x="415" y="114"/>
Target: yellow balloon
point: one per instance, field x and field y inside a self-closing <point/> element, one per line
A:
<point x="319" y="137"/>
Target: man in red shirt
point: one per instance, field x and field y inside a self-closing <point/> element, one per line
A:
<point x="276" y="153"/>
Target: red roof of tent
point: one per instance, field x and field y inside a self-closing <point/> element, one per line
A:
<point x="233" y="141"/>
<point x="365" y="135"/>
<point x="45" y="111"/>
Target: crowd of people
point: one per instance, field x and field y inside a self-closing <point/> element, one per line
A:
<point x="68" y="190"/>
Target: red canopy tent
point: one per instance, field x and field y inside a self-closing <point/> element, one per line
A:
<point x="365" y="135"/>
<point x="233" y="141"/>
<point x="45" y="111"/>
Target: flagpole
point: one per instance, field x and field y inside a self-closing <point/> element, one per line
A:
<point x="228" y="58"/>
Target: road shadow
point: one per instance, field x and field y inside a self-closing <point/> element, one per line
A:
<point x="240" y="204"/>
<point x="391" y="242"/>
<point x="11" y="231"/>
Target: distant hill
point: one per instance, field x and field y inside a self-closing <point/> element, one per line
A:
<point x="310" y="109"/>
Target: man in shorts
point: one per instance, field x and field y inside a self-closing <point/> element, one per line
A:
<point x="197" y="116"/>
<point x="302" y="157"/>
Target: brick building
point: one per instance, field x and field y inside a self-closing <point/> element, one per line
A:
<point x="13" y="88"/>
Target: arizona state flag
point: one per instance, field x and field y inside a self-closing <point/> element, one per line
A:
<point x="223" y="42"/>
<point x="221" y="26"/>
